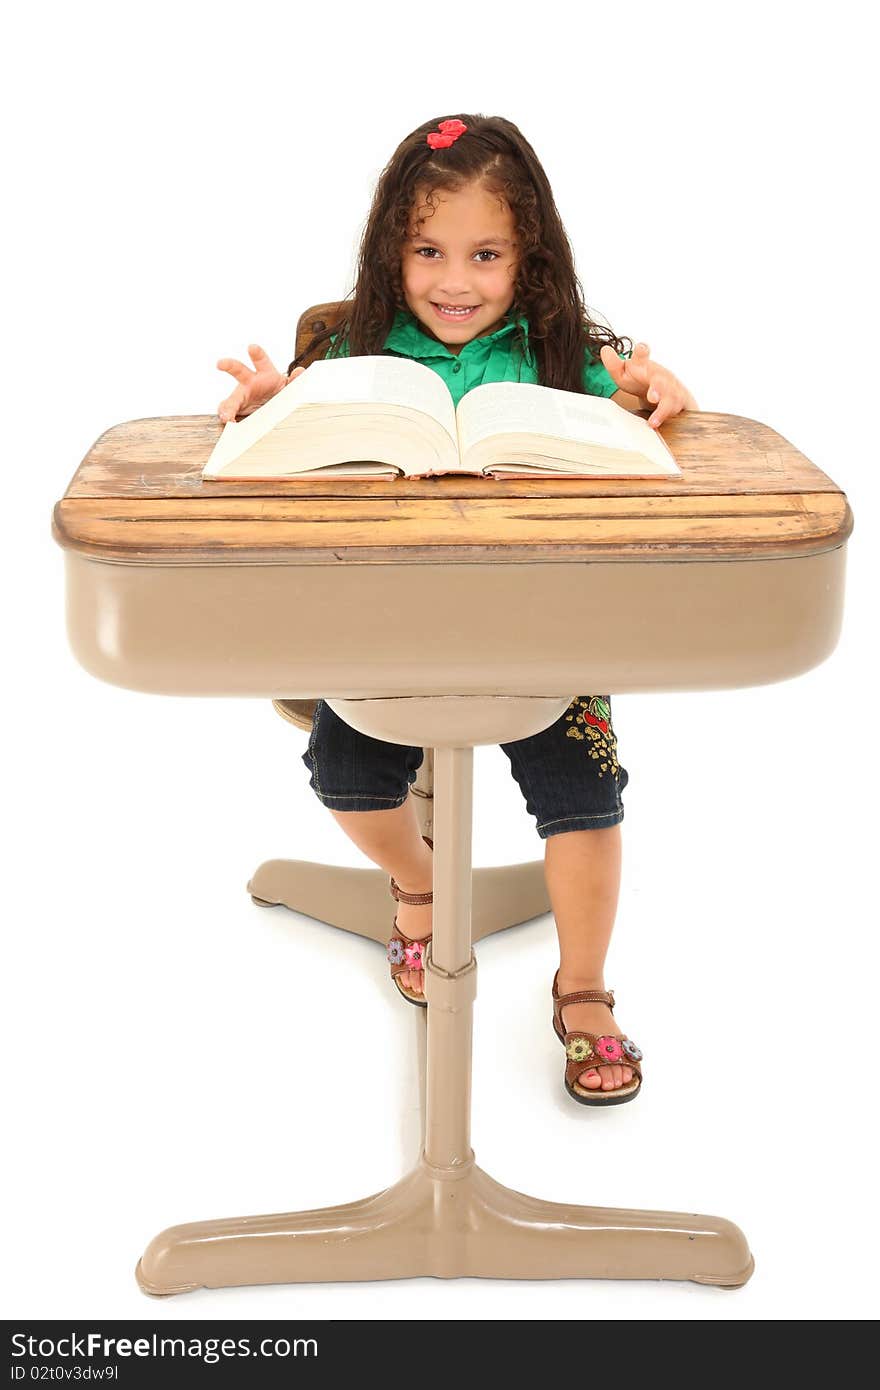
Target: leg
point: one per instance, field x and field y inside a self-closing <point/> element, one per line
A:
<point x="393" y="840"/>
<point x="582" y="868"/>
<point x="572" y="782"/>
<point x="364" y="783"/>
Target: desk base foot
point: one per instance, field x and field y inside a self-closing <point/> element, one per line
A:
<point x="359" y="900"/>
<point x="446" y="1224"/>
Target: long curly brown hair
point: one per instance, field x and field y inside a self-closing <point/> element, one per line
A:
<point x="494" y="153"/>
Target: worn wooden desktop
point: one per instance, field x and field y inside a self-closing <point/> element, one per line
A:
<point x="449" y="612"/>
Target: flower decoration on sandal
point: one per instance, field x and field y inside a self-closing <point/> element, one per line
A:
<point x="415" y="956"/>
<point x="578" y="1049"/>
<point x="609" y="1048"/>
<point x="446" y="134"/>
<point x="395" y="951"/>
<point x="631" y="1049"/>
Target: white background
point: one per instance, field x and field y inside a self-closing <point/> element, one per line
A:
<point x="187" y="180"/>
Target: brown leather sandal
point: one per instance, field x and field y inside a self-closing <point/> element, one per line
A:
<point x="404" y="952"/>
<point x="583" y="1050"/>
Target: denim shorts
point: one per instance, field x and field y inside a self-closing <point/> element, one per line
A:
<point x="568" y="774"/>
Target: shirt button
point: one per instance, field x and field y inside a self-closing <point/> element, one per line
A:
<point x="457" y="367"/>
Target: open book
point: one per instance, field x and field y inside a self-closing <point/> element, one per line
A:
<point x="380" y="417"/>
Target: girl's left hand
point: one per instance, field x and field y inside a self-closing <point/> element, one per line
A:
<point x="653" y="384"/>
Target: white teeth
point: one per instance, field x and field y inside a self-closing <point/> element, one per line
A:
<point x="444" y="310"/>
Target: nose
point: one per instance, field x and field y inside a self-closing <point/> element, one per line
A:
<point x="454" y="285"/>
<point x="452" y="290"/>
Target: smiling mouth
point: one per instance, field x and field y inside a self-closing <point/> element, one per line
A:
<point x="458" y="311"/>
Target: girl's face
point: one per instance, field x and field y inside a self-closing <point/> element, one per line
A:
<point x="460" y="253"/>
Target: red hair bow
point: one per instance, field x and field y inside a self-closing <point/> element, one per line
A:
<point x="449" y="132"/>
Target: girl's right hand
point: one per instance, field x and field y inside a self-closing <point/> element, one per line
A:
<point x="254" y="387"/>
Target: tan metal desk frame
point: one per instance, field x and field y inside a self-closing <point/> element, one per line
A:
<point x="447" y="613"/>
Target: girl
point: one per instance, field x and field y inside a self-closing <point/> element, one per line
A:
<point x="465" y="266"/>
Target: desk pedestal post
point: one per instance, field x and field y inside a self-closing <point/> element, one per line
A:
<point x="447" y="1218"/>
<point x="450" y="967"/>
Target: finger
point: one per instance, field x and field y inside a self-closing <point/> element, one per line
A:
<point x="629" y="373"/>
<point x="662" y="383"/>
<point x="639" y="363"/>
<point x="228" y="406"/>
<point x="669" y="405"/>
<point x="297" y="371"/>
<point x="228" y="409"/>
<point x="613" y="365"/>
<point x="260" y="359"/>
<point x="235" y="368"/>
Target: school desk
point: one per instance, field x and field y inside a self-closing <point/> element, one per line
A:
<point x="447" y="613"/>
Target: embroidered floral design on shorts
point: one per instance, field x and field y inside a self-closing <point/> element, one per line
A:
<point x="590" y="719"/>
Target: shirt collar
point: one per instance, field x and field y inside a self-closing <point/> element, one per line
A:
<point x="408" y="336"/>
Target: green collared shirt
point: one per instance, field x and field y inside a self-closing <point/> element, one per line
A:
<point x="497" y="357"/>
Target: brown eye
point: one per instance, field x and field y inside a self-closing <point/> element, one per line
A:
<point x="485" y="252"/>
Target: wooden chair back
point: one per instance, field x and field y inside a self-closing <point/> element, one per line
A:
<point x="315" y="320"/>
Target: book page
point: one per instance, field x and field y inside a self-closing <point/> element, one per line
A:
<point x="375" y="381"/>
<point x="521" y="408"/>
<point x="381" y="380"/>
